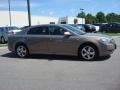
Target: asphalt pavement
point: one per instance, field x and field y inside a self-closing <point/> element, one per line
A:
<point x="51" y="72"/>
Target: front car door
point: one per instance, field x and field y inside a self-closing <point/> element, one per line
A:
<point x="61" y="44"/>
<point x="37" y="39"/>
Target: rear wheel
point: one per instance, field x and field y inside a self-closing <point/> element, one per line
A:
<point x="2" y="40"/>
<point x="21" y="51"/>
<point x="88" y="52"/>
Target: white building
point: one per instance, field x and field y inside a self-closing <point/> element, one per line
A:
<point x="21" y="19"/>
<point x="71" y="20"/>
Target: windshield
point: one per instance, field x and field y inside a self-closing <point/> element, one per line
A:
<point x="74" y="29"/>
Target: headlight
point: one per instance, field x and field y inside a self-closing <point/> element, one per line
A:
<point x="105" y="40"/>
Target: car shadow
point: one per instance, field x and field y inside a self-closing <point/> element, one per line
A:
<point x="54" y="57"/>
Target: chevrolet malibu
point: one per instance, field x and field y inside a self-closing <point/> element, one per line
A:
<point x="60" y="40"/>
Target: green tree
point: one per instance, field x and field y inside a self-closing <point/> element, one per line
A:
<point x="112" y="17"/>
<point x="100" y="17"/>
<point x="81" y="15"/>
<point x="119" y="18"/>
<point x="90" y="19"/>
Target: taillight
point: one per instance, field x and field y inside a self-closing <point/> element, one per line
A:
<point x="10" y="33"/>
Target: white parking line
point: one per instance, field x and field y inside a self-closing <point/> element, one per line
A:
<point x="116" y="37"/>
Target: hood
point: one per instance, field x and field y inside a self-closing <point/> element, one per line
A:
<point x="96" y="35"/>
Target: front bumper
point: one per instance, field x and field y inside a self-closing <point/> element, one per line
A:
<point x="107" y="49"/>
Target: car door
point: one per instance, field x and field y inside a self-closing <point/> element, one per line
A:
<point x="37" y="39"/>
<point x="61" y="44"/>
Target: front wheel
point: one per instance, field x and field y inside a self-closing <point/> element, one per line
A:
<point x="88" y="52"/>
<point x="21" y="51"/>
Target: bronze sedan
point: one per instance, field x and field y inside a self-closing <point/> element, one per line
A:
<point x="60" y="40"/>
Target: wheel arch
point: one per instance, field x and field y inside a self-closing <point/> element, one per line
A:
<point x="20" y="43"/>
<point x="88" y="43"/>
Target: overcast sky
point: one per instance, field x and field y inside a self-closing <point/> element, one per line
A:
<point x="62" y="7"/>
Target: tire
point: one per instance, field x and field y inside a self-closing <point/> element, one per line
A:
<point x="2" y="40"/>
<point x="21" y="51"/>
<point x="88" y="52"/>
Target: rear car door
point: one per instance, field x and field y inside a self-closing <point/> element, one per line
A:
<point x="37" y="39"/>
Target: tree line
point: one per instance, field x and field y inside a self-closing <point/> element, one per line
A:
<point x="100" y="17"/>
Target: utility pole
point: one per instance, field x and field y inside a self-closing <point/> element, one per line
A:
<point x="29" y="14"/>
<point x="81" y="9"/>
<point x="9" y="4"/>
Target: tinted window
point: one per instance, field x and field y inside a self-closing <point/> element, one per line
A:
<point x="39" y="31"/>
<point x="54" y="30"/>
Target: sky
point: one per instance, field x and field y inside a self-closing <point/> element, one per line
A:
<point x="62" y="8"/>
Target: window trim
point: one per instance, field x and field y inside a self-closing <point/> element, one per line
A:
<point x="57" y="27"/>
<point x="37" y="27"/>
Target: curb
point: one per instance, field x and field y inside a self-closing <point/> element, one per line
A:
<point x="116" y="37"/>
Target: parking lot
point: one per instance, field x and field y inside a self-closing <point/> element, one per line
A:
<point x="50" y="72"/>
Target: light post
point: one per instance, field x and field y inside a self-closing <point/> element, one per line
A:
<point x="81" y="9"/>
<point x="29" y="14"/>
<point x="9" y="4"/>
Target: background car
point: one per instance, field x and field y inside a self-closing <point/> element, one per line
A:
<point x="97" y="28"/>
<point x="60" y="40"/>
<point x="88" y="27"/>
<point x="6" y="31"/>
<point x="99" y="24"/>
<point x="85" y="27"/>
<point x="111" y="28"/>
<point x="80" y="27"/>
<point x="24" y="27"/>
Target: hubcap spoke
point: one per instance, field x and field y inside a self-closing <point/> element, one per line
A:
<point x="21" y="51"/>
<point x="88" y="52"/>
<point x="88" y="57"/>
<point x="92" y="53"/>
<point x="85" y="50"/>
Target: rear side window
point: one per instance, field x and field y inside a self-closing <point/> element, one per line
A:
<point x="39" y="31"/>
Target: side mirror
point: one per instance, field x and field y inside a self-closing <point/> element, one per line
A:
<point x="67" y="34"/>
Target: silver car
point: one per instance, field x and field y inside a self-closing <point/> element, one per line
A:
<point x="60" y="40"/>
<point x="6" y="31"/>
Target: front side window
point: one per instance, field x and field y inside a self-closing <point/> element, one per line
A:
<point x="73" y="29"/>
<point x="54" y="30"/>
<point x="39" y="31"/>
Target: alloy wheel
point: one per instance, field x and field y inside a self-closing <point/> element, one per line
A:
<point x="21" y="51"/>
<point x="88" y="53"/>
